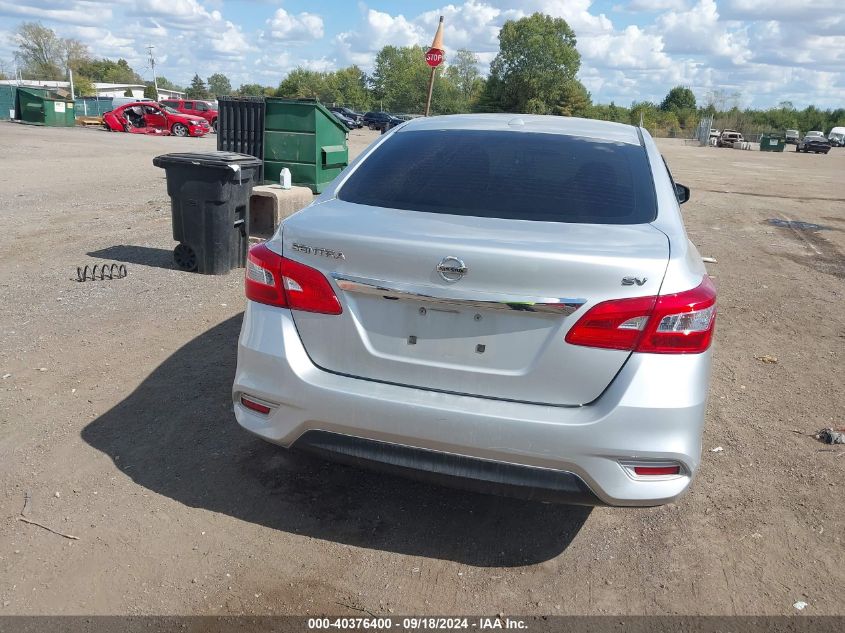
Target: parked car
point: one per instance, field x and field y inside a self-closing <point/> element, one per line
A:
<point x="148" y="116"/>
<point x="348" y="123"/>
<point x="728" y="137"/>
<point x="204" y="109"/>
<point x="814" y="144"/>
<point x="815" y="133"/>
<point x="380" y="120"/>
<point x="510" y="308"/>
<point x="792" y="137"/>
<point x="714" y="133"/>
<point x="349" y="114"/>
<point x="837" y="137"/>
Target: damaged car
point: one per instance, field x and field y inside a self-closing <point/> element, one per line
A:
<point x="145" y="117"/>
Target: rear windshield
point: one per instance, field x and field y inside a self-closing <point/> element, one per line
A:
<point x="511" y="175"/>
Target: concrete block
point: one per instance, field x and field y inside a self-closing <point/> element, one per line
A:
<point x="270" y="204"/>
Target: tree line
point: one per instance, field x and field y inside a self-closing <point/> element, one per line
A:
<point x="535" y="71"/>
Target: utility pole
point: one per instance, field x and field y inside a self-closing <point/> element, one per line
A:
<point x="153" y="66"/>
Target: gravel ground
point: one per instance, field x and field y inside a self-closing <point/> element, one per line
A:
<point x="115" y="417"/>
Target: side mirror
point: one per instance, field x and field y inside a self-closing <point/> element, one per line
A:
<point x="682" y="192"/>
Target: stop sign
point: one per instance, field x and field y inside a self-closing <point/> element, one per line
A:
<point x="434" y="57"/>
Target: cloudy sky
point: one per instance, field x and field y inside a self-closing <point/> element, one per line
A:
<point x="765" y="50"/>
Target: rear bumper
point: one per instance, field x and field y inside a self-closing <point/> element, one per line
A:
<point x="652" y="411"/>
<point x="457" y="471"/>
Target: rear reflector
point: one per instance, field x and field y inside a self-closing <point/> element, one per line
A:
<point x="657" y="470"/>
<point x="680" y="323"/>
<point x="255" y="406"/>
<point x="284" y="283"/>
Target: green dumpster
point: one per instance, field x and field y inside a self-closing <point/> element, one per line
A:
<point x="7" y="102"/>
<point x="42" y="107"/>
<point x="302" y="135"/>
<point x="772" y="142"/>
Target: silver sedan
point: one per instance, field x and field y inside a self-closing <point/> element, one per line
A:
<point x="500" y="302"/>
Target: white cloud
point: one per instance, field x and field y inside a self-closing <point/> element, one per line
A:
<point x="103" y="42"/>
<point x="377" y="30"/>
<point x="185" y="12"/>
<point x="295" y="28"/>
<point x="652" y="6"/>
<point x="801" y="10"/>
<point x="231" y="41"/>
<point x="474" y="24"/>
<point x="576" y="13"/>
<point x="700" y="31"/>
<point x="90" y="13"/>
<point x="630" y="48"/>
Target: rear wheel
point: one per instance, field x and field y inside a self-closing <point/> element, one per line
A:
<point x="371" y="125"/>
<point x="185" y="257"/>
<point x="179" y="130"/>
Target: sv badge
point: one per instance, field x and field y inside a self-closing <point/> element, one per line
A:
<point x="630" y="281"/>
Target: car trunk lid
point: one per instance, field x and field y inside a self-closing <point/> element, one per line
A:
<point x="495" y="329"/>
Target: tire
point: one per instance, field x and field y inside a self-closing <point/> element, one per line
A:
<point x="185" y="258"/>
<point x="179" y="129"/>
<point x="371" y="125"/>
<point x="214" y="126"/>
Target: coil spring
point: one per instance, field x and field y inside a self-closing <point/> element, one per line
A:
<point x="100" y="272"/>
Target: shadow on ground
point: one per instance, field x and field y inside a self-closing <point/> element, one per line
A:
<point x="144" y="255"/>
<point x="176" y="435"/>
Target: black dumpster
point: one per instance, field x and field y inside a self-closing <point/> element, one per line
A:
<point x="209" y="198"/>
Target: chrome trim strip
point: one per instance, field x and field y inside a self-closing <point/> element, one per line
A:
<point x="455" y="297"/>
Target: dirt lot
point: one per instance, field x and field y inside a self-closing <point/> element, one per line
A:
<point x="115" y="415"/>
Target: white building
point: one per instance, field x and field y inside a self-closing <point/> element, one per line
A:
<point x="164" y="93"/>
<point x="136" y="91"/>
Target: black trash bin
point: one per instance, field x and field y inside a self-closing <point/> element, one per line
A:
<point x="209" y="199"/>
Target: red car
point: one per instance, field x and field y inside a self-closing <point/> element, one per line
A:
<point x="195" y="107"/>
<point x="148" y="117"/>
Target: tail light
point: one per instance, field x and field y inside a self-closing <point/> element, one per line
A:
<point x="680" y="323"/>
<point x="281" y="282"/>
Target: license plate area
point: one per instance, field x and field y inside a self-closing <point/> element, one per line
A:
<point x="438" y="335"/>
